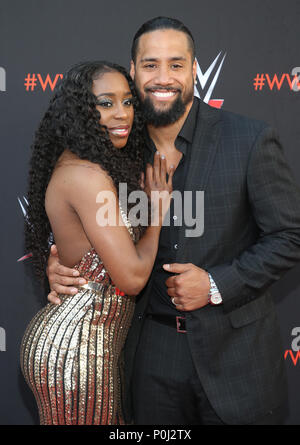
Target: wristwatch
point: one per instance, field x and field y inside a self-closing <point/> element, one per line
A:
<point x="214" y="296"/>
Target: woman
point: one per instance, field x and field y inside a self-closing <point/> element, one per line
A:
<point x="89" y="141"/>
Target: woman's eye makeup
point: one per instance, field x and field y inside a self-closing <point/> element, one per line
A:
<point x="128" y="102"/>
<point x="106" y="103"/>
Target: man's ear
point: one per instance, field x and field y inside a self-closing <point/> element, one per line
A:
<point x="132" y="69"/>
<point x="195" y="70"/>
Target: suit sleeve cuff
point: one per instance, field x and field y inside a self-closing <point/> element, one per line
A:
<point x="230" y="286"/>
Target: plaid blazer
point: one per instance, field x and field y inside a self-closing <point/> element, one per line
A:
<point x="251" y="238"/>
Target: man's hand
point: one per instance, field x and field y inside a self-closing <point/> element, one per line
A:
<point x="189" y="288"/>
<point x="61" y="278"/>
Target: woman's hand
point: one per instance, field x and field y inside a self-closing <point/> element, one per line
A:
<point x="158" y="189"/>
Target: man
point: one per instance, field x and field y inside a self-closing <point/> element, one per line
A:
<point x="204" y="346"/>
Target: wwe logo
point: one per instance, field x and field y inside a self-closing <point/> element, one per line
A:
<point x="24" y="206"/>
<point x="203" y="79"/>
<point x="2" y="79"/>
<point x="24" y="211"/>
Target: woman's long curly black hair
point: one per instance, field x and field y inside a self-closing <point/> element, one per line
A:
<point x="72" y="121"/>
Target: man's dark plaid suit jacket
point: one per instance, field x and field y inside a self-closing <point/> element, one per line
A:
<point x="251" y="238"/>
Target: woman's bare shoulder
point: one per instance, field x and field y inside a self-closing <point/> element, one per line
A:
<point x="70" y="168"/>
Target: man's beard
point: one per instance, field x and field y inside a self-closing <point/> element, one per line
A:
<point x="161" y="118"/>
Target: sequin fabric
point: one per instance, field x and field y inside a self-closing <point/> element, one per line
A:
<point x="71" y="353"/>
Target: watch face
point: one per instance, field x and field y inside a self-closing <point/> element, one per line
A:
<point x="216" y="298"/>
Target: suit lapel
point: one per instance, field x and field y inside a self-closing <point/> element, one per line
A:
<point x="203" y="150"/>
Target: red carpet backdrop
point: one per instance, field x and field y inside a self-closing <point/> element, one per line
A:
<point x="248" y="62"/>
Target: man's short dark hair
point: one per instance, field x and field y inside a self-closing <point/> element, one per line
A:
<point x="161" y="23"/>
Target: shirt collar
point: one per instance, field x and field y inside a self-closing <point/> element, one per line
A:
<point x="188" y="128"/>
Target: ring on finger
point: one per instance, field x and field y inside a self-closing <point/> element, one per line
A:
<point x="173" y="301"/>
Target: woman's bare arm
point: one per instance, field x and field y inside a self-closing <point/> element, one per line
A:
<point x="128" y="265"/>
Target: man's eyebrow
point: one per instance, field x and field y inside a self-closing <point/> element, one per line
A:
<point x="171" y="59"/>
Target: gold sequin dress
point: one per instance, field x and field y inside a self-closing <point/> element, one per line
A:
<point x="71" y="353"/>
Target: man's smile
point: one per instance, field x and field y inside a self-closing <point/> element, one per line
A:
<point x="162" y="93"/>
